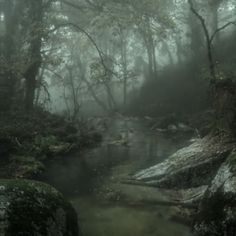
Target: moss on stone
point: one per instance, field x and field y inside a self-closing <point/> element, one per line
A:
<point x="217" y="215"/>
<point x="35" y="208"/>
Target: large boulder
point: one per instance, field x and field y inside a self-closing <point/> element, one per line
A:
<point x="217" y="211"/>
<point x="189" y="167"/>
<point x="34" y="208"/>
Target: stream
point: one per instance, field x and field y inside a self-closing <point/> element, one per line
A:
<point x="92" y="181"/>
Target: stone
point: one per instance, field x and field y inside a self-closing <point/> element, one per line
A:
<point x="189" y="167"/>
<point x="217" y="212"/>
<point x="34" y="208"/>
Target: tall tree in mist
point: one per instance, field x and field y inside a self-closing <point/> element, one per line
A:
<point x="224" y="89"/>
<point x="21" y="41"/>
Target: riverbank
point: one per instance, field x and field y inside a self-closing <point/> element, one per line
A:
<point x="28" y="140"/>
<point x="92" y="181"/>
<point x="160" y="169"/>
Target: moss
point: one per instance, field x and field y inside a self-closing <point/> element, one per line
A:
<point x="217" y="215"/>
<point x="37" y="209"/>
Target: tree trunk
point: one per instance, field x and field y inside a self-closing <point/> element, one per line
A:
<point x="196" y="40"/>
<point x="171" y="59"/>
<point x="76" y="105"/>
<point x="124" y="64"/>
<point x="224" y="91"/>
<point x="153" y="50"/>
<point x="110" y="98"/>
<point x="213" y="9"/>
<point x="90" y="87"/>
<point x="150" y="48"/>
<point x="225" y="106"/>
<point x="150" y="61"/>
<point x="7" y="76"/>
<point x="36" y="17"/>
<point x="208" y="39"/>
<point x="39" y="85"/>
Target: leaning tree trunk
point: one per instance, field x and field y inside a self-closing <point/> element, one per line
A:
<point x="225" y="106"/>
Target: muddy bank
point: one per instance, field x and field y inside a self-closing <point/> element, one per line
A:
<point x="28" y="140"/>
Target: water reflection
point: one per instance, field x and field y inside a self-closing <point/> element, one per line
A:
<point x="87" y="180"/>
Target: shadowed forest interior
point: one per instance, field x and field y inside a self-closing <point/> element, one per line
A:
<point x="118" y="117"/>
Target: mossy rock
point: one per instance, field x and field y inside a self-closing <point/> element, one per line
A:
<point x="217" y="216"/>
<point x="217" y="211"/>
<point x="34" y="208"/>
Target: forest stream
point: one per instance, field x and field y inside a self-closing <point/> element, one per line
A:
<point x="92" y="181"/>
<point x="127" y="109"/>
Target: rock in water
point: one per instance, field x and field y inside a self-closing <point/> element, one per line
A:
<point x="189" y="167"/>
<point x="34" y="208"/>
<point x="217" y="215"/>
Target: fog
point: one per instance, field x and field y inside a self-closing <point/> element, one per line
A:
<point x="127" y="107"/>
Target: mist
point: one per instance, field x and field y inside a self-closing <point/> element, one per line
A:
<point x="117" y="117"/>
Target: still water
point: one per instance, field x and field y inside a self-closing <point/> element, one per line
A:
<point x="92" y="181"/>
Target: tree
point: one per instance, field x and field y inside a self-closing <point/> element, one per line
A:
<point x="224" y="89"/>
<point x="21" y="43"/>
<point x="36" y="30"/>
<point x="209" y="39"/>
<point x="10" y="21"/>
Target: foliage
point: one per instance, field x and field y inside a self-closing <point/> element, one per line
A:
<point x="87" y="51"/>
<point x="27" y="140"/>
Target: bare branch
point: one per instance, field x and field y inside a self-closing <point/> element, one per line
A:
<point x="201" y="19"/>
<point x="208" y="40"/>
<point x="221" y="28"/>
<point x="78" y="28"/>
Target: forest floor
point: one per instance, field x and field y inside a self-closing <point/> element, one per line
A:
<point x="28" y="140"/>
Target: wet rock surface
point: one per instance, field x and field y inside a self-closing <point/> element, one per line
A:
<point x="189" y="167"/>
<point x="203" y="176"/>
<point x="34" y="208"/>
